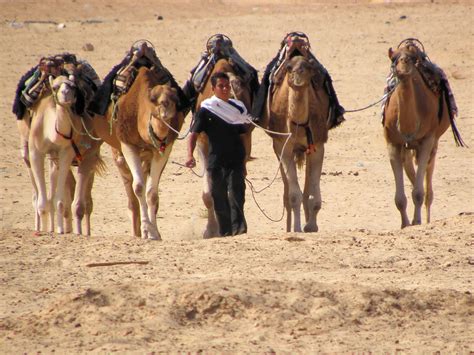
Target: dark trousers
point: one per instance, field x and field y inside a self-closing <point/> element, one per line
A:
<point x="228" y="194"/>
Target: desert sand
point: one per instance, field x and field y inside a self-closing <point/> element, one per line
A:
<point x="359" y="284"/>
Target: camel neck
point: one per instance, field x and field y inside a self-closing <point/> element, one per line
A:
<point x="298" y="105"/>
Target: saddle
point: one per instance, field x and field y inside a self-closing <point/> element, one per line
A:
<point x="217" y="47"/>
<point x="141" y="54"/>
<point x="295" y="43"/>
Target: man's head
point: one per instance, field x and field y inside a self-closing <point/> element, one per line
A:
<point x="221" y="85"/>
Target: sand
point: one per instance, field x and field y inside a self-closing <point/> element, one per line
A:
<point x="359" y="284"/>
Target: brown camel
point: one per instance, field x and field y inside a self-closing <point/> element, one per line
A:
<point x="242" y="92"/>
<point x="138" y="130"/>
<point x="298" y="104"/>
<point x="415" y="117"/>
<point x="50" y="128"/>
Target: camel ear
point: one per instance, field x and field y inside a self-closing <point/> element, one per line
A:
<point x="152" y="95"/>
<point x="390" y="53"/>
<point x="174" y="95"/>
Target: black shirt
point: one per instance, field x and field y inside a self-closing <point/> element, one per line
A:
<point x="225" y="146"/>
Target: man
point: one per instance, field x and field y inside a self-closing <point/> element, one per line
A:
<point x="222" y="119"/>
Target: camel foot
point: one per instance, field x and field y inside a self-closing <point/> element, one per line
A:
<point x="150" y="232"/>
<point x="208" y="234"/>
<point x="310" y="228"/>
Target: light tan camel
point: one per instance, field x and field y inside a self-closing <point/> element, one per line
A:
<point x="415" y="117"/>
<point x="78" y="197"/>
<point x="242" y="92"/>
<point x="142" y="139"/>
<point x="299" y="105"/>
<point x="51" y="133"/>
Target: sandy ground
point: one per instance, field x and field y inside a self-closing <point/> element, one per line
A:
<point x="360" y="284"/>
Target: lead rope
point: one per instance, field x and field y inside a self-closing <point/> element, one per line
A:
<point x="387" y="94"/>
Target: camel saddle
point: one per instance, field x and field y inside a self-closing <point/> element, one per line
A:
<point x="220" y="46"/>
<point x="295" y="43"/>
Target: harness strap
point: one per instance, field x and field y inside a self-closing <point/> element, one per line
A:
<point x="309" y="136"/>
<point x="76" y="150"/>
<point x="73" y="144"/>
<point x="157" y="142"/>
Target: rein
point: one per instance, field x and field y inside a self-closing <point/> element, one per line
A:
<point x="387" y="94"/>
<point x="156" y="141"/>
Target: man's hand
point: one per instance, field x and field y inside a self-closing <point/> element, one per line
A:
<point x="191" y="162"/>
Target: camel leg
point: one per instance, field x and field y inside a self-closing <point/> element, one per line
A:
<point x="82" y="204"/>
<point x="133" y="160"/>
<point x="394" y="152"/>
<point x="429" y="195"/>
<point x="89" y="205"/>
<point x="68" y="197"/>
<point x="418" y="193"/>
<point x="53" y="185"/>
<point x="286" y="205"/>
<point x="42" y="207"/>
<point x="84" y="175"/>
<point x="312" y="192"/>
<point x="212" y="227"/>
<point x="158" y="163"/>
<point x="407" y="158"/>
<point x="64" y="162"/>
<point x="295" y="196"/>
<point x="127" y="179"/>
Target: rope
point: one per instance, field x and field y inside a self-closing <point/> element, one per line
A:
<point x="252" y="190"/>
<point x="375" y="103"/>
<point x="113" y="118"/>
<point x="174" y="130"/>
<point x="192" y="170"/>
<point x="88" y="132"/>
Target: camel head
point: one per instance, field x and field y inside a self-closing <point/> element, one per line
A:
<point x="404" y="60"/>
<point x="64" y="89"/>
<point x="164" y="99"/>
<point x="238" y="88"/>
<point x="300" y="71"/>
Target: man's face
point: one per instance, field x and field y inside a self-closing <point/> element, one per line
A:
<point x="222" y="89"/>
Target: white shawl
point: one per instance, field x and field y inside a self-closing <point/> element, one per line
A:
<point x="226" y="111"/>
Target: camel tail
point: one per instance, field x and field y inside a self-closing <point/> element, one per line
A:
<point x="457" y="135"/>
<point x="100" y="167"/>
<point x="299" y="159"/>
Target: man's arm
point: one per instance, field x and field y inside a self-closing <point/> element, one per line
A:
<point x="191" y="162"/>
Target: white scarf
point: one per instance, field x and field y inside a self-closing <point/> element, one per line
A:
<point x="226" y="111"/>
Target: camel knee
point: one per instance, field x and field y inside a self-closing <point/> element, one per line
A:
<point x="418" y="196"/>
<point x="152" y="198"/>
<point x="138" y="189"/>
<point x="207" y="199"/>
<point x="429" y="198"/>
<point x="295" y="199"/>
<point x="79" y="211"/>
<point x="401" y="202"/>
<point x="60" y="207"/>
<point x="313" y="204"/>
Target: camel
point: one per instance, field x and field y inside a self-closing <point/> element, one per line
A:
<point x="139" y="132"/>
<point x="242" y="92"/>
<point x="415" y="117"/>
<point x="298" y="104"/>
<point x="50" y="132"/>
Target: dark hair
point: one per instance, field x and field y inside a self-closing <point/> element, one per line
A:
<point x="218" y="75"/>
